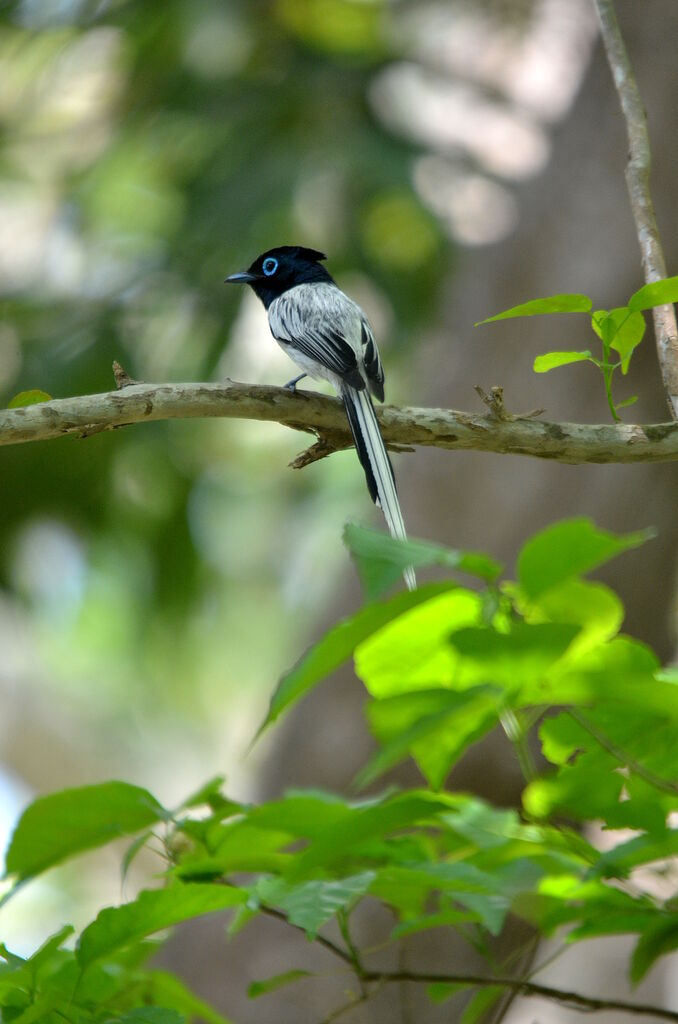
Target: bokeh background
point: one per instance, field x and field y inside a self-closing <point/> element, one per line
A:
<point x="453" y="157"/>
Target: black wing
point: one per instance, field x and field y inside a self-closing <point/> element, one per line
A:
<point x="373" y="368"/>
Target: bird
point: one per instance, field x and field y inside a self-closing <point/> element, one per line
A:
<point x="329" y="337"/>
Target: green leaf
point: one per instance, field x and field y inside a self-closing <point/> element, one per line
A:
<point x="413" y="651"/>
<point x="246" y="847"/>
<point x="642" y="849"/>
<point x="653" y="943"/>
<point x="659" y="293"/>
<point x="440" y="991"/>
<point x="262" y="988"/>
<point x="339" y="644"/>
<point x="443" y="919"/>
<point x="151" y="1015"/>
<point x="488" y="894"/>
<point x="573" y="303"/>
<point x="206" y="793"/>
<point x="381" y="559"/>
<point x="240" y="919"/>
<point x="592" y="685"/>
<point x="592" y="606"/>
<point x="168" y="990"/>
<point x="300" y="814"/>
<point x="481" y="1002"/>
<point x="32" y="397"/>
<point x="485" y="826"/>
<point x="310" y="905"/>
<point x="605" y="325"/>
<point x="131" y="853"/>
<point x="434" y="726"/>
<point x="42" y="1010"/>
<point x="491" y="908"/>
<point x="13" y="962"/>
<point x="46" y="952"/>
<point x="570" y="548"/>
<point x="561" y="737"/>
<point x="64" y="824"/>
<point x="153" y="911"/>
<point x="408" y="888"/>
<point x="628" y="336"/>
<point x="620" y="329"/>
<point x="211" y="795"/>
<point x="364" y="823"/>
<point x="611" y="922"/>
<point x="585" y="790"/>
<point x="627" y="401"/>
<point x="551" y="360"/>
<point x="617" y="733"/>
<point x="512" y="660"/>
<point x="49" y="947"/>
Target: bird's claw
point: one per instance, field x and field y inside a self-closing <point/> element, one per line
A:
<point x="292" y="384"/>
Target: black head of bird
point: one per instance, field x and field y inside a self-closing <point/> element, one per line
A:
<point x="279" y="269"/>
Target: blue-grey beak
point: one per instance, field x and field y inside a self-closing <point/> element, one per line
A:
<point x="242" y="277"/>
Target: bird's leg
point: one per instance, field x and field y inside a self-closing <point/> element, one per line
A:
<point x="292" y="384"/>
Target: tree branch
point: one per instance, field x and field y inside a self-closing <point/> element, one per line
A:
<point x="323" y="416"/>
<point x="638" y="183"/>
<point x="521" y="987"/>
<point x="528" y="989"/>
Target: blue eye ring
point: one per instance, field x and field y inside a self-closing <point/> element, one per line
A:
<point x="269" y="266"/>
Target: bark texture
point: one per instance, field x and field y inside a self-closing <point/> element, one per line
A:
<point x="325" y="417"/>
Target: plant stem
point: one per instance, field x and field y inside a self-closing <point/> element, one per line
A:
<point x="607" y="375"/>
<point x="638" y="184"/>
<point x="520" y="986"/>
<point x="528" y="989"/>
<point x="514" y="727"/>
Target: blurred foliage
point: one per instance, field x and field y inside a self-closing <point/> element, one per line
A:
<point x="146" y="151"/>
<point x="442" y="667"/>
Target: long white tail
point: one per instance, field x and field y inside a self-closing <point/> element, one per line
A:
<point x="376" y="464"/>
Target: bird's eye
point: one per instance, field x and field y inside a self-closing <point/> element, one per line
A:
<point x="269" y="266"/>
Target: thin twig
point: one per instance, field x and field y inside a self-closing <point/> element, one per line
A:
<point x="405" y="992"/>
<point x="497" y="406"/>
<point x="638" y="184"/>
<point x="548" y="960"/>
<point x="525" y="957"/>
<point x="324" y="416"/>
<point x="327" y="944"/>
<point x="342" y="920"/>
<point x="528" y="989"/>
<point x="345" y="1008"/>
<point x="353" y="952"/>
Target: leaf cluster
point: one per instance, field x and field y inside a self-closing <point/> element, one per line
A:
<point x="442" y="667"/>
<point x="620" y="330"/>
